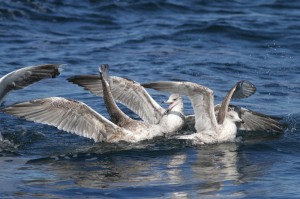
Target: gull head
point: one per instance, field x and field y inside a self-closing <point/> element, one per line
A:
<point x="234" y="116"/>
<point x="174" y="100"/>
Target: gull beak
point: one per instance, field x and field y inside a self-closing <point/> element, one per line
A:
<point x="167" y="101"/>
<point x="240" y="120"/>
<point x="170" y="106"/>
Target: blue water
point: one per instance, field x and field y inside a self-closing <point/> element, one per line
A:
<point x="213" y="43"/>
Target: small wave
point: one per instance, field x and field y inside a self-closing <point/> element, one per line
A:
<point x="224" y="27"/>
<point x="278" y="4"/>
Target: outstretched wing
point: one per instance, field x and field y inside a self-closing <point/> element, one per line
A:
<point x="254" y="121"/>
<point x="117" y="116"/>
<point x="23" y="77"/>
<point x="241" y="89"/>
<point x="68" y="115"/>
<point x="126" y="92"/>
<point x="201" y="97"/>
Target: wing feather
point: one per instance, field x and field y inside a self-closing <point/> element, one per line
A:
<point x="241" y="89"/>
<point x="254" y="121"/>
<point x="23" y="77"/>
<point x="127" y="92"/>
<point x="202" y="99"/>
<point x="68" y="115"/>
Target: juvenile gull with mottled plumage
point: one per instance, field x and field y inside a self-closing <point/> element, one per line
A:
<point x="76" y="117"/>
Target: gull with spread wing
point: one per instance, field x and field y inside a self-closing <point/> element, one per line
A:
<point x="210" y="127"/>
<point x="132" y="95"/>
<point x="78" y="118"/>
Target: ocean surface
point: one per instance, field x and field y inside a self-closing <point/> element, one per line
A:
<point x="213" y="43"/>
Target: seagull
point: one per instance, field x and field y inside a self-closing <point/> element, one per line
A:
<point x="23" y="77"/>
<point x="211" y="127"/>
<point x="133" y="95"/>
<point x="78" y="118"/>
<point x="171" y="120"/>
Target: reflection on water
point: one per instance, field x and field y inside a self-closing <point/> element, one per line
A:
<point x="217" y="165"/>
<point x="207" y="170"/>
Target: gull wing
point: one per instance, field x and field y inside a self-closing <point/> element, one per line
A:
<point x="202" y="99"/>
<point x="117" y="116"/>
<point x="23" y="77"/>
<point x="254" y="121"/>
<point x="241" y="89"/>
<point x="68" y="115"/>
<point x="126" y="92"/>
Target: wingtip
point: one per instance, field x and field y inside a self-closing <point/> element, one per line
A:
<point x="72" y="79"/>
<point x="60" y="67"/>
<point x="244" y="89"/>
<point x="149" y="85"/>
<point x="145" y="85"/>
<point x="56" y="72"/>
<point x="56" y="69"/>
<point x="103" y="70"/>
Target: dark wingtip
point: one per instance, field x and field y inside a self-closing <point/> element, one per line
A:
<point x="55" y="73"/>
<point x="149" y="85"/>
<point x="75" y="79"/>
<point x="54" y="68"/>
<point x="146" y="85"/>
<point x="244" y="89"/>
<point x="103" y="70"/>
<point x="71" y="79"/>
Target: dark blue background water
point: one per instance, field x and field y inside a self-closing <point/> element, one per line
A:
<point x="214" y="43"/>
